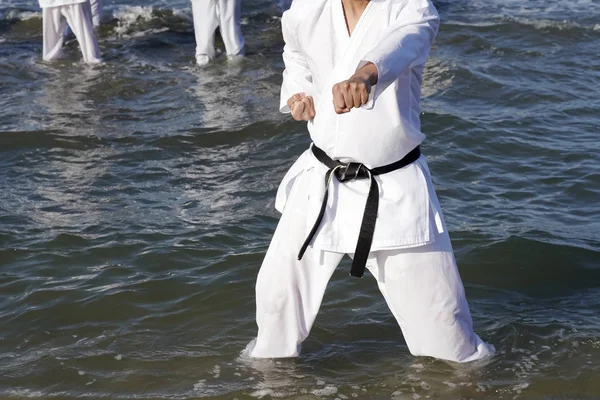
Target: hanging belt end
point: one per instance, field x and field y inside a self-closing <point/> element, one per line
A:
<point x="356" y="274"/>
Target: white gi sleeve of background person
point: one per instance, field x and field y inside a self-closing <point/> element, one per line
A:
<point x="297" y="77"/>
<point x="406" y="44"/>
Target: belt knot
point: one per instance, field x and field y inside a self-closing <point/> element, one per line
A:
<point x="347" y="172"/>
<point x="351" y="171"/>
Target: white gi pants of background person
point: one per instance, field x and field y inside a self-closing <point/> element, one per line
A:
<point x="96" y="6"/>
<point x="79" y="18"/>
<point x="421" y="286"/>
<point x="210" y="15"/>
<point x="96" y="12"/>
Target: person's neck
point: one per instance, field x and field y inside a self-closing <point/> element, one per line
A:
<point x="355" y="7"/>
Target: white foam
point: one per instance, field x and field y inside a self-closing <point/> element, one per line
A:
<point x="22" y="15"/>
<point x="327" y="391"/>
<point x="129" y="16"/>
<point x="268" y="392"/>
<point x="24" y="393"/>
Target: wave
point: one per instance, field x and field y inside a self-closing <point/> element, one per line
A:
<point x="519" y="24"/>
<point x="138" y="20"/>
<point x="531" y="266"/>
<point x="122" y="21"/>
<point x="20" y="15"/>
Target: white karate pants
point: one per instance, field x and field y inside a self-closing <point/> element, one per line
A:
<point x="79" y="18"/>
<point x="421" y="286"/>
<point x="210" y="15"/>
<point x="96" y="12"/>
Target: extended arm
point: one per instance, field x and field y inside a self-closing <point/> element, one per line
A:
<point x="406" y="44"/>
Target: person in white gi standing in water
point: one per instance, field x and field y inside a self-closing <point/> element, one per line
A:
<point x="353" y="70"/>
<point x="210" y="15"/>
<point x="77" y="14"/>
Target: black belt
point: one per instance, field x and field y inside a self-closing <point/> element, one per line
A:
<point x="347" y="172"/>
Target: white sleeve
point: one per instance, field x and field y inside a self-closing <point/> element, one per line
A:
<point x="297" y="77"/>
<point x="405" y="44"/>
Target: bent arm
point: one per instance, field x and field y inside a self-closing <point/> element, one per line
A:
<point x="297" y="77"/>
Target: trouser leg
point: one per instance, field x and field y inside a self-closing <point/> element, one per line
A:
<point x="230" y="15"/>
<point x="206" y="22"/>
<point x="424" y="291"/>
<point x="79" y="18"/>
<point x="288" y="291"/>
<point x="96" y="12"/>
<point x="53" y="27"/>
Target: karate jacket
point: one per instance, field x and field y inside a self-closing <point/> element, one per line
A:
<point x="396" y="36"/>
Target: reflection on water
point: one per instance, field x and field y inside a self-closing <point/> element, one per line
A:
<point x="136" y="205"/>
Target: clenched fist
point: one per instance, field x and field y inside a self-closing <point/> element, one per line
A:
<point x="355" y="91"/>
<point x="302" y="107"/>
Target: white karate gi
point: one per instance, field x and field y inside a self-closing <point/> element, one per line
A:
<point x="210" y="15"/>
<point x="411" y="255"/>
<point x="96" y="12"/>
<point x="96" y="6"/>
<point x="78" y="15"/>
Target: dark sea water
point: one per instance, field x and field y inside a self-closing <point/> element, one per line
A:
<point x="136" y="203"/>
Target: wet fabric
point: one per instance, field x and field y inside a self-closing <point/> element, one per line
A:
<point x="78" y="17"/>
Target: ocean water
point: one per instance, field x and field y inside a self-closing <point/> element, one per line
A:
<point x="136" y="203"/>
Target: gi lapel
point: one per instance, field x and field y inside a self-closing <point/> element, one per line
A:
<point x="347" y="62"/>
<point x="345" y="51"/>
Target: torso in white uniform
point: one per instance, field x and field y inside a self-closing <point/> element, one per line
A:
<point x="395" y="35"/>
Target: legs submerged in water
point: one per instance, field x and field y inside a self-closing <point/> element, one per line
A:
<point x="421" y="286"/>
<point x="210" y="15"/>
<point x="205" y="25"/>
<point x="54" y="33"/>
<point x="79" y="18"/>
<point x="230" y="15"/>
<point x="423" y="289"/>
<point x="289" y="292"/>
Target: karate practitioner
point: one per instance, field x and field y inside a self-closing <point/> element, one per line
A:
<point x="77" y="14"/>
<point x="210" y="15"/>
<point x="353" y="70"/>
